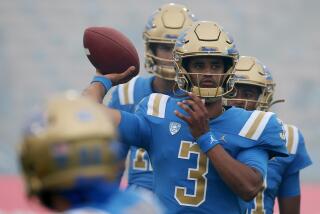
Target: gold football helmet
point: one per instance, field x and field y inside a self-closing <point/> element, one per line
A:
<point x="251" y="71"/>
<point x="164" y="27"/>
<point x="71" y="139"/>
<point x="205" y="38"/>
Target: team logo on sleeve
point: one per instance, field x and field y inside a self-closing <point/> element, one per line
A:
<point x="174" y="127"/>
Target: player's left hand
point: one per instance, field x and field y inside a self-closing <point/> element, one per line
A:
<point x="198" y="118"/>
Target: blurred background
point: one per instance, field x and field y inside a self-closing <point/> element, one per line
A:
<point x="41" y="53"/>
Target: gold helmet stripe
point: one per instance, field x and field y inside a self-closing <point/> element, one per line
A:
<point x="292" y="137"/>
<point x="126" y="92"/>
<point x="255" y="125"/>
<point x="157" y="105"/>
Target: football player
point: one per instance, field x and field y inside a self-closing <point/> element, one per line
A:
<point x="69" y="158"/>
<point x="205" y="158"/>
<point x="254" y="89"/>
<point x="159" y="35"/>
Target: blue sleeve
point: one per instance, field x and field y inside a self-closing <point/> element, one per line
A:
<point x="273" y="138"/>
<point x="290" y="186"/>
<point x="256" y="158"/>
<point x="301" y="158"/>
<point x="115" y="102"/>
<point x="124" y="149"/>
<point x="134" y="130"/>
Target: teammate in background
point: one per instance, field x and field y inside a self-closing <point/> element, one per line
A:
<point x="69" y="158"/>
<point x="195" y="146"/>
<point x="254" y="88"/>
<point x="160" y="34"/>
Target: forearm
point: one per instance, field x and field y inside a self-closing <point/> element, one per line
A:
<point x="243" y="180"/>
<point x="95" y="91"/>
<point x="289" y="194"/>
<point x="289" y="205"/>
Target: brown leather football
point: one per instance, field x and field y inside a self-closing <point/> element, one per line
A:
<point x="110" y="51"/>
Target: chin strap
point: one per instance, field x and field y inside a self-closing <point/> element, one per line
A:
<point x="207" y="92"/>
<point x="165" y="72"/>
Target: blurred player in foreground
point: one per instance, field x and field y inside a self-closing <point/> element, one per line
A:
<point x="254" y="89"/>
<point x="69" y="159"/>
<point x="205" y="158"/>
<point x="160" y="34"/>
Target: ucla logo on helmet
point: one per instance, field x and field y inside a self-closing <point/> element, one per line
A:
<point x="150" y="24"/>
<point x="171" y="36"/>
<point x="208" y="49"/>
<point x="267" y="73"/>
<point x="233" y="50"/>
<point x="181" y="40"/>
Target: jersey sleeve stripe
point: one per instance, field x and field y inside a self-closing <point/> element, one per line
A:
<point x="262" y="125"/>
<point x="292" y="138"/>
<point x="162" y="108"/>
<point x="121" y="94"/>
<point x="150" y="104"/>
<point x="157" y="105"/>
<point x="126" y="92"/>
<point x="248" y="124"/>
<point x="255" y="125"/>
<point x="131" y="90"/>
<point x="296" y="140"/>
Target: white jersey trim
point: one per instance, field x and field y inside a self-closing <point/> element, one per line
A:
<point x="126" y="92"/>
<point x="292" y="137"/>
<point x="157" y="105"/>
<point x="255" y="125"/>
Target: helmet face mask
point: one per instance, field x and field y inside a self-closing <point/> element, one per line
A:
<point x="250" y="72"/>
<point x="206" y="41"/>
<point x="163" y="28"/>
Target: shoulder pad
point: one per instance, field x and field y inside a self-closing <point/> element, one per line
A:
<point x="255" y="124"/>
<point x="126" y="92"/>
<point x="157" y="105"/>
<point x="292" y="137"/>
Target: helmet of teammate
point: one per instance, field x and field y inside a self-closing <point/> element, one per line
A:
<point x="72" y="139"/>
<point x="163" y="27"/>
<point x="205" y="38"/>
<point x="250" y="71"/>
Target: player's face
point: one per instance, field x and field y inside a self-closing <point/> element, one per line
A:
<point x="208" y="69"/>
<point x="245" y="93"/>
<point x="164" y="51"/>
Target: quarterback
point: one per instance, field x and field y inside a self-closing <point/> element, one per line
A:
<point x="160" y="35"/>
<point x="205" y="158"/>
<point x="254" y="89"/>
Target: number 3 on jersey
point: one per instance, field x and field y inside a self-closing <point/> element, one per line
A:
<point x="198" y="175"/>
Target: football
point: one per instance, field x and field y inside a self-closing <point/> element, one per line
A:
<point x="110" y="51"/>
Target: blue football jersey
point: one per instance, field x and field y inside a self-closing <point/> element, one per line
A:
<point x="125" y="202"/>
<point x="184" y="179"/>
<point x="279" y="169"/>
<point x="125" y="97"/>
